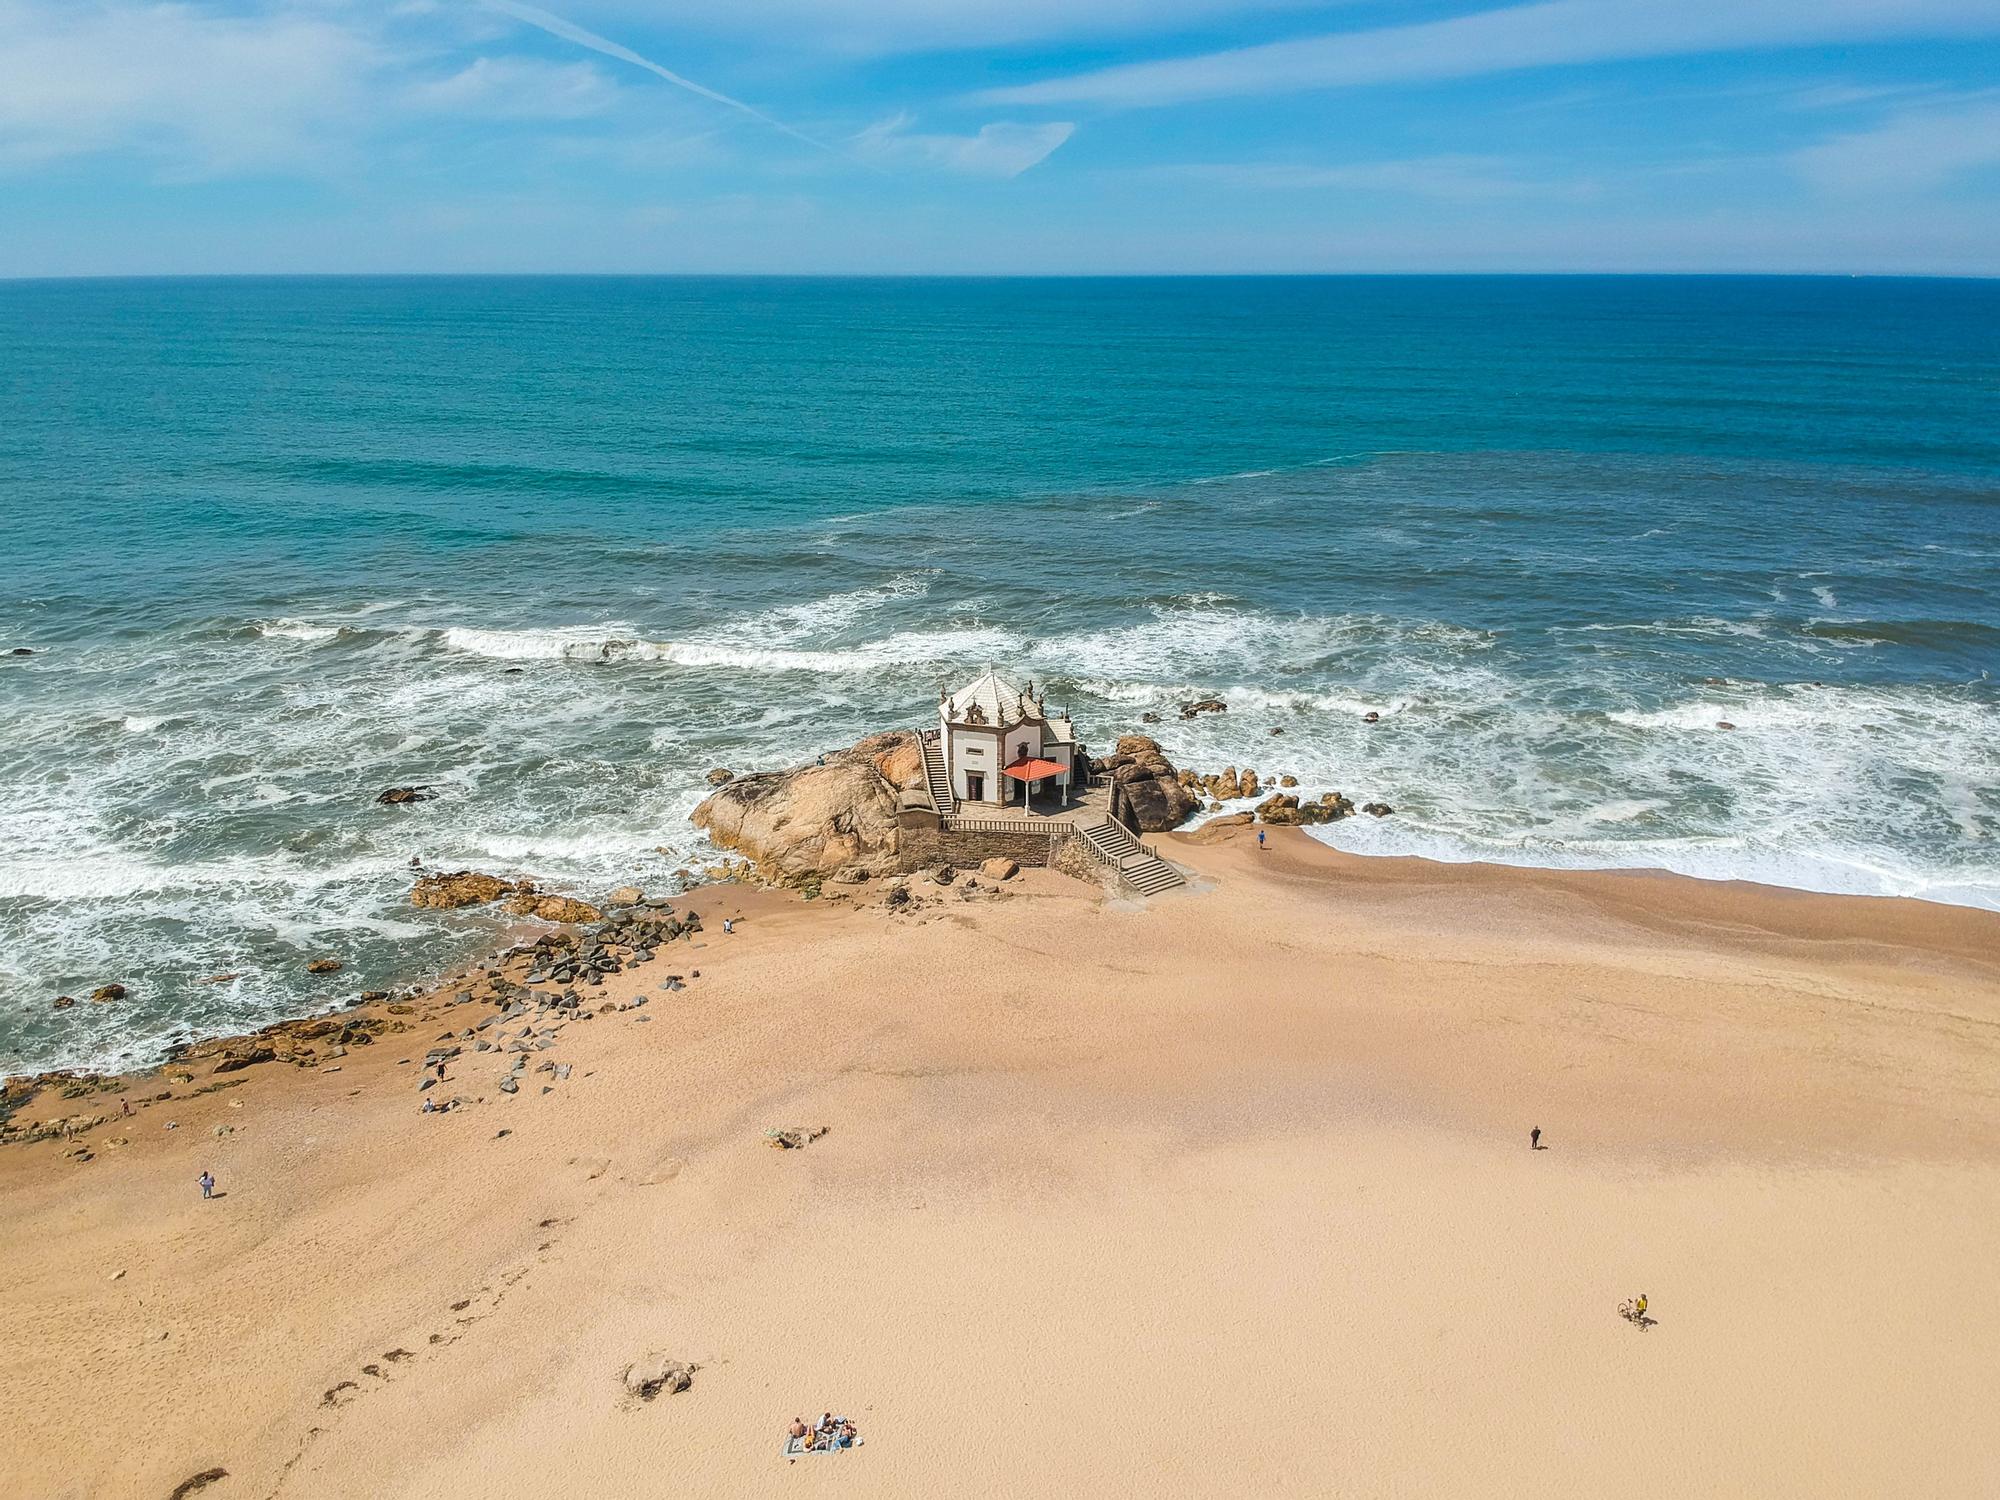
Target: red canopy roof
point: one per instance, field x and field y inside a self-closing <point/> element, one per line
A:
<point x="1030" y="769"/>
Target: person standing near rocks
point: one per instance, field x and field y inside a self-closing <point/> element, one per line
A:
<point x="1260" y="838"/>
<point x="207" y="1181"/>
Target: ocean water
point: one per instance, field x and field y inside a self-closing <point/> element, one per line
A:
<point x="560" y="546"/>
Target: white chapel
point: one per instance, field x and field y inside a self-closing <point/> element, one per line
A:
<point x="1002" y="747"/>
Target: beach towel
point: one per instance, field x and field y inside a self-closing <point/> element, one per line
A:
<point x="796" y="1447"/>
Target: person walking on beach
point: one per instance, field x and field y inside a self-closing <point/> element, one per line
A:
<point x="1535" y="1139"/>
<point x="207" y="1181"/>
<point x="1260" y="838"/>
<point x="729" y="924"/>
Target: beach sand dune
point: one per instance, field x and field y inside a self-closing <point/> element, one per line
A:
<point x="1227" y="1194"/>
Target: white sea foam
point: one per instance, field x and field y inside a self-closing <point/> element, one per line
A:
<point x="1863" y="871"/>
<point x="609" y="644"/>
<point x="297" y="630"/>
<point x="834" y="613"/>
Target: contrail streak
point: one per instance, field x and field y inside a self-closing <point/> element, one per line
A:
<point x="557" y="26"/>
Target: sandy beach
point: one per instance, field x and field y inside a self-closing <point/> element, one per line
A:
<point x="1225" y="1193"/>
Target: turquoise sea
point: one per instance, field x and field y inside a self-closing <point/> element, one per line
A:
<point x="560" y="546"/>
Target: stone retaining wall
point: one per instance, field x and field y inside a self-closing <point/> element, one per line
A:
<point x="926" y="848"/>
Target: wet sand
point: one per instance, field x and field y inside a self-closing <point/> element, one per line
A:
<point x="1228" y="1193"/>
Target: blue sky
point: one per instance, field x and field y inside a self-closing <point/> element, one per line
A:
<point x="998" y="135"/>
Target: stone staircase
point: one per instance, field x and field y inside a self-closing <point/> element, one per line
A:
<point x="1138" y="867"/>
<point x="935" y="776"/>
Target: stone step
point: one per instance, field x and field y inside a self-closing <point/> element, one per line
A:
<point x="1153" y="876"/>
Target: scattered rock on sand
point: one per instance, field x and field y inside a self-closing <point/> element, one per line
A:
<point x="851" y="875"/>
<point x="465" y="888"/>
<point x="195" y="1483"/>
<point x="793" y="1138"/>
<point x="104" y="994"/>
<point x="397" y="796"/>
<point x="1000" y="868"/>
<point x="245" y="1055"/>
<point x="944" y="874"/>
<point x="625" y="895"/>
<point x="656" y="1373"/>
<point x="325" y="966"/>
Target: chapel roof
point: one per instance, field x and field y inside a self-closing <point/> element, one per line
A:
<point x="999" y="701"/>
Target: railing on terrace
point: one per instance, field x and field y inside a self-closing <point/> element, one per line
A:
<point x="1048" y="829"/>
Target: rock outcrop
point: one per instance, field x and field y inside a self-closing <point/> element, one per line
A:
<point x="465" y="888"/>
<point x="553" y="908"/>
<point x="835" y="814"/>
<point x="1146" y="791"/>
<point x="1284" y="808"/>
<point x="471" y="888"/>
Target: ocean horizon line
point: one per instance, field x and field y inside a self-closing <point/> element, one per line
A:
<point x="112" y="277"/>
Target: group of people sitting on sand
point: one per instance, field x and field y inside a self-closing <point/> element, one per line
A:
<point x="831" y="1433"/>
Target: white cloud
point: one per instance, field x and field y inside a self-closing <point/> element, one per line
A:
<point x="1552" y="33"/>
<point x="1002" y="149"/>
<point x="1908" y="152"/>
<point x="517" y="88"/>
<point x="203" y="91"/>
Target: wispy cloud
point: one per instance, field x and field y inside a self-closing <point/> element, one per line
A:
<point x="1001" y="149"/>
<point x="570" y="32"/>
<point x="1912" y="151"/>
<point x="886" y="27"/>
<point x="1450" y="179"/>
<point x="517" y="88"/>
<point x="1553" y="33"/>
